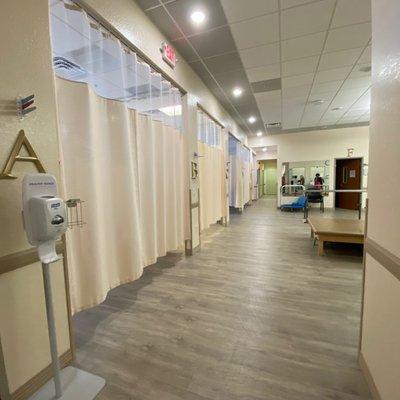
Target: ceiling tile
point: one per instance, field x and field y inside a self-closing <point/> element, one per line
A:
<point x="326" y="97"/>
<point x="296" y="92"/>
<point x="304" y="46"/>
<point x="162" y="20"/>
<point x="181" y="10"/>
<point x="349" y="37"/>
<point x="326" y="87"/>
<point x="145" y="4"/>
<point x="229" y="80"/>
<point x="307" y="19"/>
<point x="300" y="66"/>
<point x="366" y="56"/>
<point x="224" y="63"/>
<point x="238" y="10"/>
<point x="273" y="98"/>
<point x="362" y="82"/>
<point x="361" y="71"/>
<point x="213" y="43"/>
<point x="256" y="31"/>
<point x="332" y="75"/>
<point x="339" y="59"/>
<point x="260" y="56"/>
<point x="349" y="12"/>
<point x="297" y="80"/>
<point x="262" y="73"/>
<point x="292" y="3"/>
<point x="185" y="50"/>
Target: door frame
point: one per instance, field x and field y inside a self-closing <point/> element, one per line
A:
<point x="334" y="174"/>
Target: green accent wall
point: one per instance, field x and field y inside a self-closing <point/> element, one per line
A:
<point x="269" y="178"/>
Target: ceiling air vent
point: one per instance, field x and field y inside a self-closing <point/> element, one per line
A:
<point x="63" y="63"/>
<point x="273" y="125"/>
<point x="266" y="86"/>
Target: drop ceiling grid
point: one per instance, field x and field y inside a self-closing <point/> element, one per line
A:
<point x="287" y="66"/>
<point x="337" y="53"/>
<point x="242" y="121"/>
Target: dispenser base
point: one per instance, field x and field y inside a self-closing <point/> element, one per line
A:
<point x="76" y="384"/>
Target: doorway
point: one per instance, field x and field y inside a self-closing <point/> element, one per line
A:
<point x="348" y="176"/>
<point x="269" y="177"/>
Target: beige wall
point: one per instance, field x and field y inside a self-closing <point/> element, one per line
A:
<point x="128" y="18"/>
<point x="317" y="145"/>
<point x="25" y="68"/>
<point x="381" y="322"/>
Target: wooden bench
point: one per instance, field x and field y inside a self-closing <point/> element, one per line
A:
<point x="336" y="230"/>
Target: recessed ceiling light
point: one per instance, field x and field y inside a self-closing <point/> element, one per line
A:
<point x="264" y="149"/>
<point x="252" y="119"/>
<point x="237" y="91"/>
<point x="198" y="17"/>
<point x="259" y="133"/>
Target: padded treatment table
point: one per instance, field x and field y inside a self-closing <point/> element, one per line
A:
<point x="336" y="230"/>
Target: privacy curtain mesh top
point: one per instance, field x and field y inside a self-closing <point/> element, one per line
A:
<point x="84" y="51"/>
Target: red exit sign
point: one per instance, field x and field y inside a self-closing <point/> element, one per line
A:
<point x="168" y="54"/>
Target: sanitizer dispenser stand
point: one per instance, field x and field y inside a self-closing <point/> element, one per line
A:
<point x="45" y="220"/>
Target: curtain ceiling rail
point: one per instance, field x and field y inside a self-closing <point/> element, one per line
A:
<point x="103" y="22"/>
<point x="209" y="115"/>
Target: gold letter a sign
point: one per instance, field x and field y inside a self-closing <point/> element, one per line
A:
<point x="14" y="156"/>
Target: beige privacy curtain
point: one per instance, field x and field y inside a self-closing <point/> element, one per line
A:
<point x="121" y="152"/>
<point x="235" y="173"/>
<point x="128" y="170"/>
<point x="246" y="169"/>
<point x="211" y="167"/>
<point x="211" y="171"/>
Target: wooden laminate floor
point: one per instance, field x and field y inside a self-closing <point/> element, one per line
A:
<point x="257" y="314"/>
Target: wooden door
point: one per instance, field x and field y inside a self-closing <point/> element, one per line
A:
<point x="348" y="176"/>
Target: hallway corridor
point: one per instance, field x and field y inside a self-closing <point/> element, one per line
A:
<point x="257" y="314"/>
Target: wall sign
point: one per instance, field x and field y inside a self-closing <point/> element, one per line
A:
<point x="14" y="156"/>
<point x="168" y="54"/>
<point x="195" y="171"/>
<point x="350" y="152"/>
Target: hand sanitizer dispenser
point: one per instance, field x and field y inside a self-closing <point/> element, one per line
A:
<point x="44" y="214"/>
<point x="45" y="221"/>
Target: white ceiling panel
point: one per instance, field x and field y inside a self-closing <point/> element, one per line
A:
<point x="362" y="82"/>
<point x="325" y="97"/>
<point x="259" y="56"/>
<point x="272" y="98"/>
<point x="238" y="10"/>
<point x="349" y="12"/>
<point x="364" y="101"/>
<point x="257" y="74"/>
<point x="366" y="56"/>
<point x="349" y="37"/>
<point x="300" y="66"/>
<point x="360" y="72"/>
<point x="339" y="58"/>
<point x="305" y="46"/>
<point x="307" y="19"/>
<point x="298" y="80"/>
<point x="296" y="92"/>
<point x="326" y="87"/>
<point x="312" y="50"/>
<point x="292" y="3"/>
<point x="332" y="75"/>
<point x="256" y="31"/>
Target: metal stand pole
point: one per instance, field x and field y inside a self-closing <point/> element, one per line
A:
<point x="52" y="329"/>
